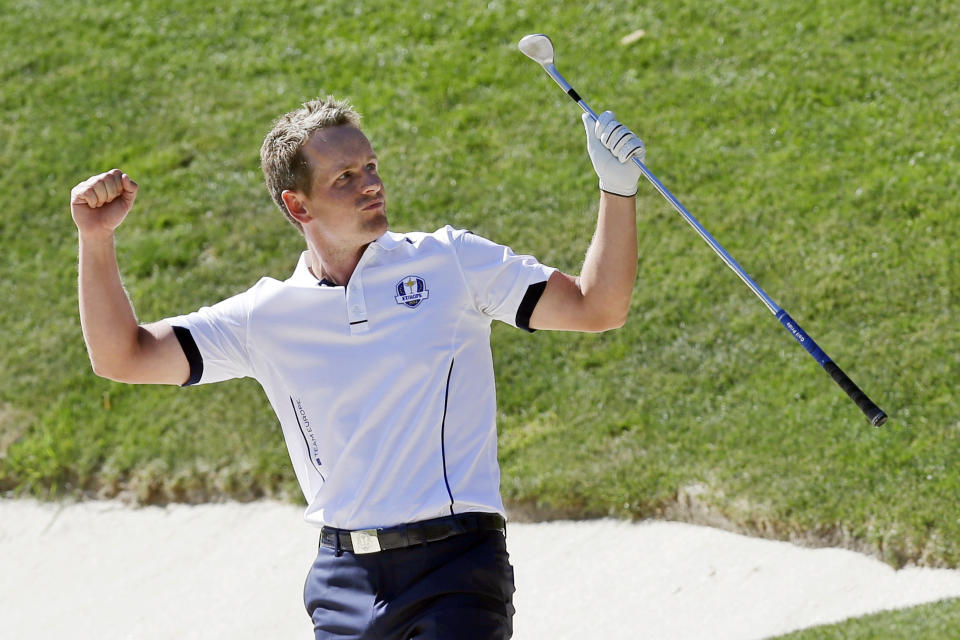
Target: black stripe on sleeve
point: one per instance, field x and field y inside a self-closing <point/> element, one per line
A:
<point x="189" y="346"/>
<point x="528" y="304"/>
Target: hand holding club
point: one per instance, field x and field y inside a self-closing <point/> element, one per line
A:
<point x="611" y="147"/>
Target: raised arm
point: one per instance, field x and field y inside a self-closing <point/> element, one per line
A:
<point x="599" y="298"/>
<point x="119" y="348"/>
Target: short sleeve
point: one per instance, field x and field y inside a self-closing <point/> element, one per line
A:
<point x="214" y="339"/>
<point x="504" y="285"/>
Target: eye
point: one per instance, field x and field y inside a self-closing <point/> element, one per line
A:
<point x="344" y="176"/>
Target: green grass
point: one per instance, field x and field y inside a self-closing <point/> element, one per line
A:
<point x="815" y="140"/>
<point x="937" y="621"/>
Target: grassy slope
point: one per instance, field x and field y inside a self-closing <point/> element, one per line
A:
<point x="928" y="622"/>
<point x="812" y="139"/>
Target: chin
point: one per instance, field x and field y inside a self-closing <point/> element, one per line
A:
<point x="378" y="224"/>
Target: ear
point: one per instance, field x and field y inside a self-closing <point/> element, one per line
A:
<point x="296" y="206"/>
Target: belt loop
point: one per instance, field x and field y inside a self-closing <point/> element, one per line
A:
<point x="338" y="551"/>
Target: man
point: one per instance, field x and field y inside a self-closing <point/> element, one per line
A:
<point x="375" y="356"/>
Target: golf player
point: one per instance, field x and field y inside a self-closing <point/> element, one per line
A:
<point x="375" y="356"/>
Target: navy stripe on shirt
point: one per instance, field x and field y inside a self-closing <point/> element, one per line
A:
<point x="189" y="346"/>
<point x="528" y="304"/>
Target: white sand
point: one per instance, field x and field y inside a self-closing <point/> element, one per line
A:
<point x="102" y="570"/>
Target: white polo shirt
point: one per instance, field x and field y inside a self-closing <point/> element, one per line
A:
<point x="384" y="388"/>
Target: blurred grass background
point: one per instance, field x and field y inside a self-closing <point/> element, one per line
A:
<point x="816" y="141"/>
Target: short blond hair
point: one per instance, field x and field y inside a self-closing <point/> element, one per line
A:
<point x="282" y="159"/>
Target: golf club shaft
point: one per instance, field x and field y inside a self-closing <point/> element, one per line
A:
<point x="874" y="414"/>
<point x="701" y="231"/>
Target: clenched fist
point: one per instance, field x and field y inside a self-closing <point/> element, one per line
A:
<point x="100" y="203"/>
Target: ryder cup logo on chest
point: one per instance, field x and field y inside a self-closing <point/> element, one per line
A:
<point x="411" y="291"/>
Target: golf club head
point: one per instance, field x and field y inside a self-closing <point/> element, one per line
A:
<point x="537" y="47"/>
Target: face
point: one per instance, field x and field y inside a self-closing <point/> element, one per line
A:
<point x="347" y="203"/>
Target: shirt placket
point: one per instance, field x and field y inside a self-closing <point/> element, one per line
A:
<point x="356" y="304"/>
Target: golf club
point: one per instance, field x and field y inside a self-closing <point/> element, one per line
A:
<point x="539" y="48"/>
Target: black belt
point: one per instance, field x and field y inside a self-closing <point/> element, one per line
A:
<point x="408" y="535"/>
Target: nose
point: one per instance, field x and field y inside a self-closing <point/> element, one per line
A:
<point x="372" y="182"/>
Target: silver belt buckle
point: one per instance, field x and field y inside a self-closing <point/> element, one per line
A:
<point x="365" y="541"/>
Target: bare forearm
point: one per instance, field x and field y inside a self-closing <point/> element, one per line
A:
<point x="599" y="299"/>
<point x="106" y="315"/>
<point x="119" y="348"/>
<point x="610" y="267"/>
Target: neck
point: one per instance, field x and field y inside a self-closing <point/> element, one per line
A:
<point x="335" y="266"/>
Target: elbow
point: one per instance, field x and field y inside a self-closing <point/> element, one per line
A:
<point x="607" y="320"/>
<point x="606" y="313"/>
<point x="116" y="360"/>
<point x="616" y="322"/>
<point x="110" y="370"/>
<point x="105" y="371"/>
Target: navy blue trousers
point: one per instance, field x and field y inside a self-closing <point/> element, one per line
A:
<point x="460" y="588"/>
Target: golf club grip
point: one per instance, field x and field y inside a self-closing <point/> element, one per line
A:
<point x="874" y="414"/>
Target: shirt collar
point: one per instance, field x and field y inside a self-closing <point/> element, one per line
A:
<point x="304" y="277"/>
<point x="301" y="274"/>
<point x="389" y="240"/>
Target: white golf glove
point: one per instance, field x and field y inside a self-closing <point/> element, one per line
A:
<point x="611" y="147"/>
